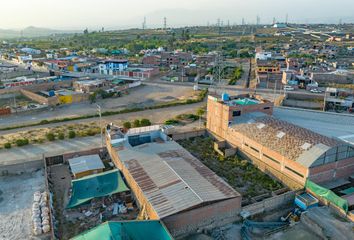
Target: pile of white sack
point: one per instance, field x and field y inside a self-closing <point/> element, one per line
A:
<point x="40" y="213"/>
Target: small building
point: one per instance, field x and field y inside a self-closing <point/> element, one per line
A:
<point x="264" y="67"/>
<point x="263" y="56"/>
<point x="109" y="67"/>
<point x="169" y="183"/>
<point x="86" y="165"/>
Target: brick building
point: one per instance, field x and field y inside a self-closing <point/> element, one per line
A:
<point x="289" y="152"/>
<point x="169" y="183"/>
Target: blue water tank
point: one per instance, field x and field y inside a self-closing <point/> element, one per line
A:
<point x="225" y="97"/>
<point x="51" y="93"/>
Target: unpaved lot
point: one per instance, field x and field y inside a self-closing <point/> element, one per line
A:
<point x="16" y="200"/>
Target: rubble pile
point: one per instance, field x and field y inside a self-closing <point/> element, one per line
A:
<point x="40" y="213"/>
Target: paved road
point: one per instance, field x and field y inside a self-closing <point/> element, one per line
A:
<point x="155" y="115"/>
<point x="35" y="152"/>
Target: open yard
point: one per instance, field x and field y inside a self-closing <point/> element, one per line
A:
<point x="16" y="198"/>
<point x="71" y="222"/>
<point x="239" y="173"/>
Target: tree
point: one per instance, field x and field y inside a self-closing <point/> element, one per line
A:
<point x="61" y="136"/>
<point x="72" y="134"/>
<point x="127" y="125"/>
<point x="22" y="142"/>
<point x="7" y="145"/>
<point x="50" y="137"/>
<point x="93" y="97"/>
<point x="136" y="123"/>
<point x="145" y="122"/>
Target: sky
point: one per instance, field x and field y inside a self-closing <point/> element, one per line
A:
<point x="117" y="14"/>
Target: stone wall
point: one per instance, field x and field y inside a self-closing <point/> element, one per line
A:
<point x="270" y="204"/>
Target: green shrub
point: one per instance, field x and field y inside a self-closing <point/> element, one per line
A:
<point x="136" y="123"/>
<point x="127" y="125"/>
<point x="72" y="134"/>
<point x="145" y="122"/>
<point x="22" y="142"/>
<point x="172" y="122"/>
<point x="61" y="136"/>
<point x="7" y="145"/>
<point x="50" y="136"/>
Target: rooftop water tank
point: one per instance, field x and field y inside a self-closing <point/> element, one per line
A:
<point x="225" y="97"/>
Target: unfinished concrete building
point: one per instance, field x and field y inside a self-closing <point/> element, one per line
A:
<point x="291" y="153"/>
<point x="169" y="183"/>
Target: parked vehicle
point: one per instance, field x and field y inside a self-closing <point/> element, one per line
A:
<point x="288" y="88"/>
<point x="315" y="90"/>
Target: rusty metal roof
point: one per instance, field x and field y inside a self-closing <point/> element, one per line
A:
<point x="171" y="178"/>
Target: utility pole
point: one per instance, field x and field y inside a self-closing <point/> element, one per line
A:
<point x="324" y="100"/>
<point x="286" y="18"/>
<point x="100" y="114"/>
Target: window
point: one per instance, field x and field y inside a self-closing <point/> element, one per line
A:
<point x="254" y="149"/>
<point x="266" y="108"/>
<point x="236" y="113"/>
<point x="293" y="171"/>
<point x="270" y="158"/>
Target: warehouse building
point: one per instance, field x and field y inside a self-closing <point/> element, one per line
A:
<point x="291" y="153"/>
<point x="169" y="183"/>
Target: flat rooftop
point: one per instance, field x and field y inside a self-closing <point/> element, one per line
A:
<point x="170" y="177"/>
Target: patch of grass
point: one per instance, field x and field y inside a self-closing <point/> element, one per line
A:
<point x="239" y="173"/>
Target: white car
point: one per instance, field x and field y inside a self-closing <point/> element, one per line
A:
<point x="288" y="88"/>
<point x="315" y="90"/>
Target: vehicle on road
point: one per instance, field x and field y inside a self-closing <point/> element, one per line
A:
<point x="316" y="90"/>
<point x="288" y="88"/>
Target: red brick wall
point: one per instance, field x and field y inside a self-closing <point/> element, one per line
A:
<point x="210" y="216"/>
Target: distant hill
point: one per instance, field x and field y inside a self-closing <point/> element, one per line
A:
<point x="31" y="32"/>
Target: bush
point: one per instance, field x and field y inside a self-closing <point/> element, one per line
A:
<point x="136" y="123"/>
<point x="7" y="145"/>
<point x="50" y="136"/>
<point x="172" y="122"/>
<point x="72" y="134"/>
<point x="127" y="125"/>
<point x="22" y="142"/>
<point x="61" y="136"/>
<point x="145" y="122"/>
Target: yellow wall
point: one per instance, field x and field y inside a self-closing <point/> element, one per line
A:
<point x="66" y="99"/>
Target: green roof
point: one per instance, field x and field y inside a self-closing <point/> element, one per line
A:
<point x="132" y="230"/>
<point x="246" y="101"/>
<point x="96" y="185"/>
<point x="348" y="191"/>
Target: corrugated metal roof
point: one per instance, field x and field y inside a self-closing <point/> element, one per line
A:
<point x="171" y="178"/>
<point x="85" y="163"/>
<point x="294" y="142"/>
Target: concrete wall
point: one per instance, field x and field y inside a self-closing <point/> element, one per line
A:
<point x="19" y="168"/>
<point x="206" y="217"/>
<point x="270" y="204"/>
<point x="187" y="135"/>
<point x="40" y="99"/>
<point x="38" y="87"/>
<point x="302" y="104"/>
